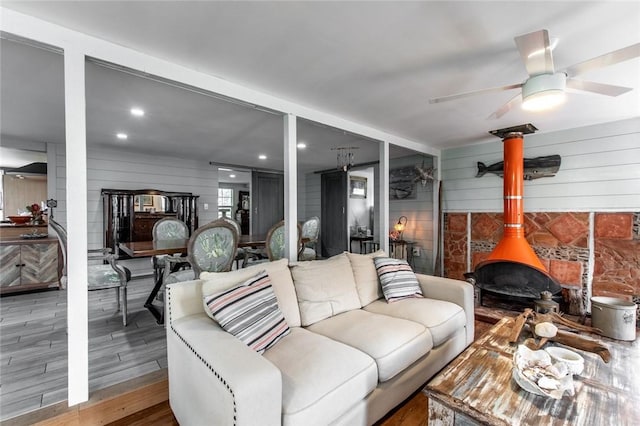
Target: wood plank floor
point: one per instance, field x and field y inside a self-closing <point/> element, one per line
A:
<point x="33" y="359"/>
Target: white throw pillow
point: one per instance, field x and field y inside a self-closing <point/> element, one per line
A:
<point x="250" y="312"/>
<point x="215" y="282"/>
<point x="397" y="279"/>
<point x="324" y="288"/>
<point x="364" y="272"/>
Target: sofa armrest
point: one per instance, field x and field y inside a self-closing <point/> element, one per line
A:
<point x="455" y="291"/>
<point x="208" y="385"/>
<point x="186" y="299"/>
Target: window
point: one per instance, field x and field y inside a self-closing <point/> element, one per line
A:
<point x="225" y="202"/>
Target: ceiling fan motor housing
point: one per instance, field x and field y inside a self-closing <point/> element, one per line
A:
<point x="544" y="84"/>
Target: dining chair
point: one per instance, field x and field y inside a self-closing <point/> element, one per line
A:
<point x="103" y="272"/>
<point x="275" y="241"/>
<point x="241" y="254"/>
<point x="310" y="230"/>
<point x="168" y="228"/>
<point x="211" y="248"/>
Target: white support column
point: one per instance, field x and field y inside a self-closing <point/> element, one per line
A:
<point x="76" y="165"/>
<point x="291" y="186"/>
<point x="383" y="225"/>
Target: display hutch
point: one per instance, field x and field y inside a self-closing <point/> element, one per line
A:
<point x="129" y="215"/>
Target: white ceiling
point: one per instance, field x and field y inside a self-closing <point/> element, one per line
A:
<point x="375" y="63"/>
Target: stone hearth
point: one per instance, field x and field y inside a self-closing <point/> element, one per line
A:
<point x="561" y="241"/>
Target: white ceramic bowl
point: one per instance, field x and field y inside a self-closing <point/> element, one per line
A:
<point x="573" y="360"/>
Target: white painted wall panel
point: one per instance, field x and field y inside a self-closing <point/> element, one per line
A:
<point x="128" y="170"/>
<point x="600" y="171"/>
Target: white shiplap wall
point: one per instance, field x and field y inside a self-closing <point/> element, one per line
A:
<point x="600" y="171"/>
<point x="120" y="169"/>
<point x="419" y="213"/>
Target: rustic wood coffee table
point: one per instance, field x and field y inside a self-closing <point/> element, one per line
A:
<point x="477" y="388"/>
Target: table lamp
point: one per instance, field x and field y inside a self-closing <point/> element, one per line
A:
<point x="399" y="227"/>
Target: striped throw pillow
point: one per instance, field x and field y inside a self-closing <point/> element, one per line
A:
<point x="250" y="312"/>
<point x="397" y="279"/>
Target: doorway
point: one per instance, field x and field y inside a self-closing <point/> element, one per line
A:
<point x="333" y="233"/>
<point x="267" y="201"/>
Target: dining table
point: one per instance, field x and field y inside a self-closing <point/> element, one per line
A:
<point x="137" y="249"/>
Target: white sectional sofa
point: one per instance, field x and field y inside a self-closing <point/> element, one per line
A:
<point x="349" y="358"/>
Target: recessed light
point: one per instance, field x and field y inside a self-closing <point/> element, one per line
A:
<point x="262" y="157"/>
<point x="222" y="169"/>
<point x="138" y="112"/>
<point x="122" y="136"/>
<point x="302" y="145"/>
<point x="232" y="176"/>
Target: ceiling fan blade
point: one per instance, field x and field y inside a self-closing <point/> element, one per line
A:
<point x="506" y="107"/>
<point x="607" y="59"/>
<point x="600" y="88"/>
<point x="535" y="52"/>
<point x="475" y="92"/>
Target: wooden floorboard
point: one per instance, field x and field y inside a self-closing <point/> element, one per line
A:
<point x="33" y="360"/>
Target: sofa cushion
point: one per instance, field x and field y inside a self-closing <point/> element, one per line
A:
<point x="397" y="279"/>
<point x="321" y="378"/>
<point x="215" y="282"/>
<point x="250" y="312"/>
<point x="442" y="319"/>
<point x="394" y="343"/>
<point x="324" y="288"/>
<point x="364" y="272"/>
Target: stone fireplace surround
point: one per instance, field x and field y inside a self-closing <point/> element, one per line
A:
<point x="588" y="254"/>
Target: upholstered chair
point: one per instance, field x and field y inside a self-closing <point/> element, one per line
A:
<point x="241" y="254"/>
<point x="100" y="275"/>
<point x="168" y="228"/>
<point x="211" y="248"/>
<point x="310" y="230"/>
<point x="275" y="241"/>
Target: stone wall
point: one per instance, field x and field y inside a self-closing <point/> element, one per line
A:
<point x="561" y="240"/>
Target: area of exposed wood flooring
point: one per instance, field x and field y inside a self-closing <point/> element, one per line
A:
<point x="33" y="362"/>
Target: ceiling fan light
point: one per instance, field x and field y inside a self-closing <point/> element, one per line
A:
<point x="542" y="101"/>
<point x="544" y="91"/>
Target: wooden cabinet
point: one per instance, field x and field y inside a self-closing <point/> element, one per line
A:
<point x="123" y="223"/>
<point x="28" y="265"/>
<point x="143" y="225"/>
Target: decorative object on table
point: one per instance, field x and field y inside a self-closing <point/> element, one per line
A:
<point x="345" y="157"/>
<point x="19" y="220"/>
<point x="402" y="183"/>
<point x="534" y="168"/>
<point x="535" y="372"/>
<point x="616" y="317"/>
<point x="573" y="360"/>
<point x="545" y="304"/>
<point x="398" y="229"/>
<point x="36" y="213"/>
<point x="532" y="319"/>
<point x="357" y="187"/>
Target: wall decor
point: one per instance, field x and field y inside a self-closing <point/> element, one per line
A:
<point x="402" y="183"/>
<point x="357" y="187"/>
<point x="534" y="168"/>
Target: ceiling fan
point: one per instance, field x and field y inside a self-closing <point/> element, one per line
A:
<point x="545" y="86"/>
